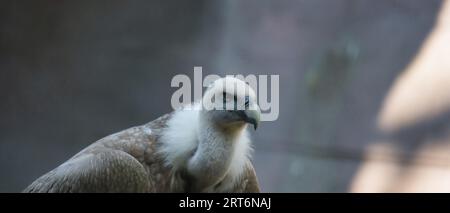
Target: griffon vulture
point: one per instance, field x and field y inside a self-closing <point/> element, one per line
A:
<point x="191" y="149"/>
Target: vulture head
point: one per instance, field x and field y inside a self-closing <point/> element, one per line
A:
<point x="231" y="104"/>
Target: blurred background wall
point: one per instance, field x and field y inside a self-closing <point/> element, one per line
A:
<point x="364" y="85"/>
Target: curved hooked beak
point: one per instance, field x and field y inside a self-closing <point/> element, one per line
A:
<point x="251" y="116"/>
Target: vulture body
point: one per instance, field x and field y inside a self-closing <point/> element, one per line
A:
<point x="188" y="150"/>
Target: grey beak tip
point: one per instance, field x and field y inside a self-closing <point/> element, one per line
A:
<point x="253" y="122"/>
<point x="251" y="117"/>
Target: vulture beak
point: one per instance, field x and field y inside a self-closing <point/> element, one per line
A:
<point x="251" y="116"/>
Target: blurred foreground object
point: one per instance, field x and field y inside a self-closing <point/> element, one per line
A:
<point x="415" y="119"/>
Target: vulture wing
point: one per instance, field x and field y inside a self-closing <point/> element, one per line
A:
<point x="105" y="171"/>
<point x="122" y="162"/>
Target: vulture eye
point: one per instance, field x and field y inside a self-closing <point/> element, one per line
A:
<point x="247" y="101"/>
